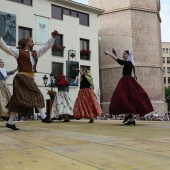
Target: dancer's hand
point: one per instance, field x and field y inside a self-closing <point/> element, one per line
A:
<point x="54" y="34"/>
<point x="106" y="52"/>
<point x="114" y="51"/>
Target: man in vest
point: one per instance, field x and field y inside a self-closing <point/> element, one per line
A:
<point x="25" y="91"/>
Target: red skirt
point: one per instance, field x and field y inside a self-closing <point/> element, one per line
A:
<point x="130" y="97"/>
<point x="86" y="104"/>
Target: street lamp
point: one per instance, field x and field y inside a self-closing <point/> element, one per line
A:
<point x="51" y="79"/>
<point x="45" y="80"/>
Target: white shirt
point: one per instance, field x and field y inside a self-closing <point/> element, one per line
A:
<point x="15" y="52"/>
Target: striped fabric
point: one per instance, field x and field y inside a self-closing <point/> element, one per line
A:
<point x="25" y="95"/>
<point x="4" y="98"/>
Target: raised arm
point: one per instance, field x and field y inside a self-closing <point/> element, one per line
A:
<point x="114" y="55"/>
<point x="47" y="45"/>
<point x="81" y="73"/>
<point x="7" y="49"/>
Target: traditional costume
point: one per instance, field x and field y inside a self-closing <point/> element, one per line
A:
<point x="5" y="94"/>
<point x="86" y="104"/>
<point x="129" y="97"/>
<point x="25" y="91"/>
<point x="62" y="106"/>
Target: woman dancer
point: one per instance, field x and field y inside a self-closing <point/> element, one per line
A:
<point x="62" y="106"/>
<point x="5" y="94"/>
<point x="129" y="97"/>
<point x="86" y="104"/>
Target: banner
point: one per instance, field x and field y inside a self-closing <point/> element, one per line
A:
<point x="42" y="30"/>
<point x="72" y="73"/>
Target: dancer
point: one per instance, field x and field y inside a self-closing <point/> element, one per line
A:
<point x="86" y="104"/>
<point x="25" y="91"/>
<point x="129" y="97"/>
<point x="62" y="106"/>
<point x="5" y="94"/>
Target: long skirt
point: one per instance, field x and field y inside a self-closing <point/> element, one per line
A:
<point x="86" y="104"/>
<point x="26" y="95"/>
<point x="130" y="97"/>
<point x="62" y="105"/>
<point x="5" y="96"/>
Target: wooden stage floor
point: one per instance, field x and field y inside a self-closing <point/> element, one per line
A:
<point x="78" y="145"/>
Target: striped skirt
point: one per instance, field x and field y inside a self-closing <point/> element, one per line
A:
<point x="62" y="105"/>
<point x="5" y="96"/>
<point x="86" y="104"/>
<point x="26" y="95"/>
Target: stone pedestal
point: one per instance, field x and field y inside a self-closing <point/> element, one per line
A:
<point x="131" y="25"/>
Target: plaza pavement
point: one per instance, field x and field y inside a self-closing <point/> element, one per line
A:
<point x="78" y="145"/>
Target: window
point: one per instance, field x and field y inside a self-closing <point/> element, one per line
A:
<point x="26" y="2"/>
<point x="57" y="12"/>
<point x="163" y="50"/>
<point x="58" y="48"/>
<point x="163" y="59"/>
<point x="74" y="13"/>
<point x="166" y="50"/>
<point x="168" y="69"/>
<point x="57" y="68"/>
<point x="83" y="68"/>
<point x="66" y="11"/>
<point x="168" y="79"/>
<point x="24" y="32"/>
<point x="164" y="79"/>
<point x="168" y="59"/>
<point x="83" y="19"/>
<point x="84" y="49"/>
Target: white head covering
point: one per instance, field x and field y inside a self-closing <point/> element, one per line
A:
<point x="130" y="58"/>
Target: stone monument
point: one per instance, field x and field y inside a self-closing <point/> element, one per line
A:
<point x="131" y="25"/>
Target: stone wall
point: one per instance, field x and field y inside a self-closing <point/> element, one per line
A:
<point x="131" y="25"/>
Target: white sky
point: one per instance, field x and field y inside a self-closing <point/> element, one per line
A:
<point x="165" y="16"/>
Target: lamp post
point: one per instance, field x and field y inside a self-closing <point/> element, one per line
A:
<point x="51" y="79"/>
<point x="45" y="80"/>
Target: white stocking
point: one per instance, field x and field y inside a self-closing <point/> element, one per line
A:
<point x="42" y="113"/>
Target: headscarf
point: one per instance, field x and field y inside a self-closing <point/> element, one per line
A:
<point x="89" y="77"/>
<point x="22" y="42"/>
<point x="130" y="57"/>
<point x="62" y="81"/>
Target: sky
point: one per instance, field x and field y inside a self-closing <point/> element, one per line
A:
<point x="165" y="17"/>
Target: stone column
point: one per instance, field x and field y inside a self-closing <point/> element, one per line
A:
<point x="131" y="25"/>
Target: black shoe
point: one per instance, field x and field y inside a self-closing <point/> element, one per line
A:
<point x="127" y="118"/>
<point x="130" y="123"/>
<point x="91" y="121"/>
<point x="46" y="120"/>
<point x="13" y="127"/>
<point x="66" y="120"/>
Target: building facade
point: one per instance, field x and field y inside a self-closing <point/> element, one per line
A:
<point x="166" y="62"/>
<point x="131" y="25"/>
<point x="78" y="32"/>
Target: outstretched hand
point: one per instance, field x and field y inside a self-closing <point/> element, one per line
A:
<point x="54" y="34"/>
<point x="106" y="52"/>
